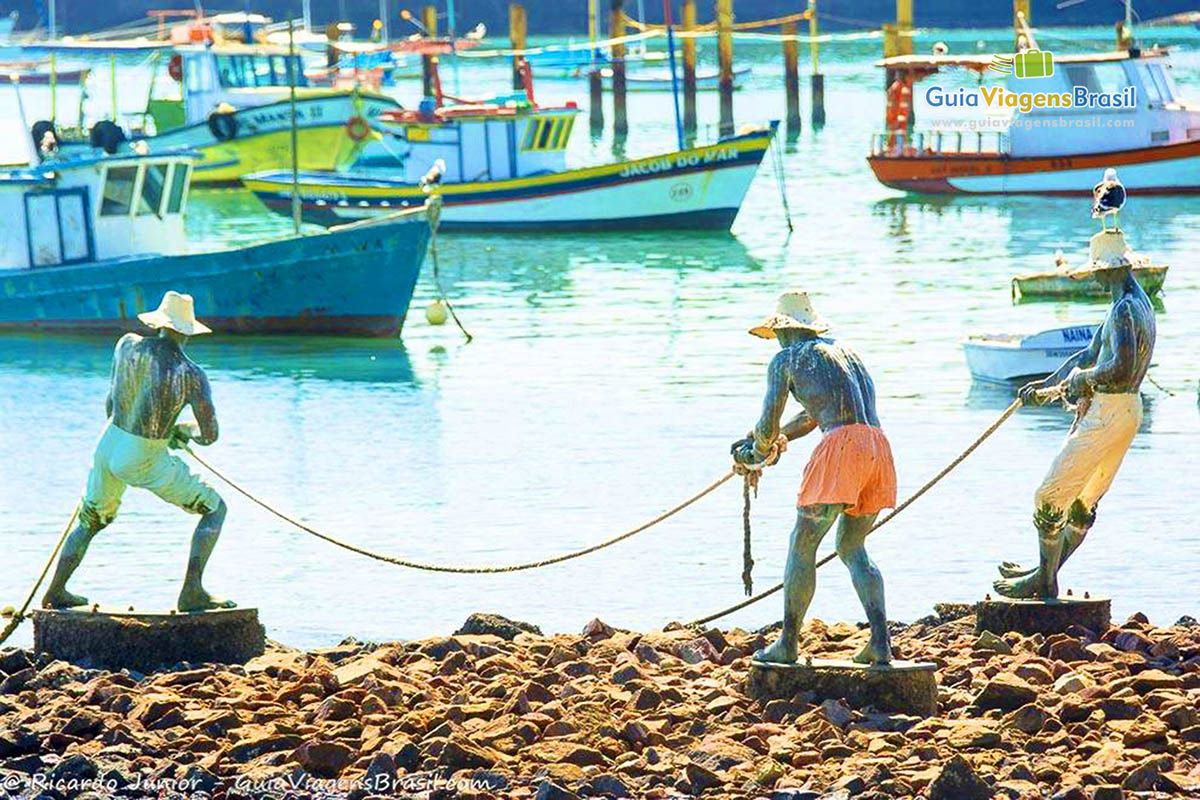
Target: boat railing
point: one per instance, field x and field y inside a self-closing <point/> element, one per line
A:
<point x="899" y="144"/>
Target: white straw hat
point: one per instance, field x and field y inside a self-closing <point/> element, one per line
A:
<point x="794" y="311"/>
<point x="177" y="312"/>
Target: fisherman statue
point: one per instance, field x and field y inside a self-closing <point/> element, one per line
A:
<point x="850" y="475"/>
<point x="1103" y="382"/>
<point x="152" y="380"/>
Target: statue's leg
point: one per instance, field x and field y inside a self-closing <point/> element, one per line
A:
<point x="193" y="596"/>
<point x="800" y="578"/>
<point x="868" y="584"/>
<point x="74" y="549"/>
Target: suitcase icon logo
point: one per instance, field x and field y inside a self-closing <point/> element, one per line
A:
<point x="1030" y="64"/>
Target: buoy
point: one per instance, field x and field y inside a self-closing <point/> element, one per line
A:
<point x="8" y="611"/>
<point x="436" y="313"/>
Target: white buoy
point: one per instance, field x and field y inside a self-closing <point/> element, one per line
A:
<point x="436" y="313"/>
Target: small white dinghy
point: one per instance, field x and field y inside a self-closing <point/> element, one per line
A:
<point x="1012" y="357"/>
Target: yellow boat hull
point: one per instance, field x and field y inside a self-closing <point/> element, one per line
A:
<point x="327" y="147"/>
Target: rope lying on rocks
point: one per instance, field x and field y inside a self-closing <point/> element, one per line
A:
<point x="462" y="570"/>
<point x="19" y="616"/>
<point x="1008" y="412"/>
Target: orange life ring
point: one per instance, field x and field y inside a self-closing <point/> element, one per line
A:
<point x="357" y="128"/>
<point x="175" y="67"/>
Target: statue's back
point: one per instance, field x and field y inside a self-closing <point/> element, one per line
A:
<point x="150" y="381"/>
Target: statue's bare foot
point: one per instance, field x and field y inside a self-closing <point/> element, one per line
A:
<point x="200" y="600"/>
<point x="1026" y="587"/>
<point x="63" y="599"/>
<point x="782" y="652"/>
<point x="1011" y="569"/>
<point x="873" y="653"/>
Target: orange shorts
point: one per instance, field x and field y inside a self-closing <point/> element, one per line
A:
<point x="851" y="466"/>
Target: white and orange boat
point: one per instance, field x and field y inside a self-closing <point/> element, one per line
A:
<point x="1147" y="131"/>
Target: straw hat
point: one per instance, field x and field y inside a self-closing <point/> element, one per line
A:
<point x="794" y="310"/>
<point x="1107" y="251"/>
<point x="177" y="312"/>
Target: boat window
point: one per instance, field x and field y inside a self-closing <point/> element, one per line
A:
<point x="262" y="72"/>
<point x="1097" y="77"/>
<point x="547" y="134"/>
<point x="179" y="184"/>
<point x="1153" y="95"/>
<point x="153" y="184"/>
<point x="228" y="71"/>
<point x="279" y="70"/>
<point x="531" y="133"/>
<point x="118" y="191"/>
<point x="1163" y="82"/>
<point x="565" y="136"/>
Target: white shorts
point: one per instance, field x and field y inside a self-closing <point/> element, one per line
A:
<point x="122" y="460"/>
<point x="1089" y="459"/>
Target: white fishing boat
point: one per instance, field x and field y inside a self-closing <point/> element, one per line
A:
<point x="1007" y="358"/>
<point x="502" y="166"/>
<point x="1063" y="282"/>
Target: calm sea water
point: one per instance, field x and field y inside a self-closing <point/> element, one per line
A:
<point x="607" y="377"/>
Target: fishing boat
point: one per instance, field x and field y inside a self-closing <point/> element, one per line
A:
<point x="1144" y="128"/>
<point x="1007" y="358"/>
<point x="233" y="108"/>
<point x="1060" y="282"/>
<point x="37" y="73"/>
<point x="91" y="242"/>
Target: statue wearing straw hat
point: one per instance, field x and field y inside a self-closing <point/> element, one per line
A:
<point x="1104" y="381"/>
<point x="850" y="475"/>
<point x="152" y="380"/>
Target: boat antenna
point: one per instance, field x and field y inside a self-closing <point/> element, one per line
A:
<point x="291" y="71"/>
<point x="674" y="75"/>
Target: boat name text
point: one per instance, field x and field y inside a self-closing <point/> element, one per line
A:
<point x="679" y="161"/>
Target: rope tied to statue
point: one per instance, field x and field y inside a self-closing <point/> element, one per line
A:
<point x="18" y="616"/>
<point x="750" y="474"/>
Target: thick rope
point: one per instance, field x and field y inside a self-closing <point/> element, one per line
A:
<point x="750" y="474"/>
<point x="1008" y="412"/>
<point x="433" y="206"/>
<point x="461" y="570"/>
<point x="19" y="616"/>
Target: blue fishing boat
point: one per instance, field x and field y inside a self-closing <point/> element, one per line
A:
<point x="89" y="243"/>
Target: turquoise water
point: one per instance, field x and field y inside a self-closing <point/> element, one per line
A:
<point x="607" y="377"/>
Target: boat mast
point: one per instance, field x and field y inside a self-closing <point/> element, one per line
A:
<point x="674" y="75"/>
<point x="292" y="66"/>
<point x="307" y="12"/>
<point x="52" y="19"/>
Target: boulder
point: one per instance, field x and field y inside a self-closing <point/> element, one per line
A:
<point x="324" y="759"/>
<point x="1006" y="692"/>
<point x="957" y="781"/>
<point x="496" y="625"/>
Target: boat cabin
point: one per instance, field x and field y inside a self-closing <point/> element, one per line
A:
<point x="76" y="211"/>
<point x="500" y="139"/>
<point x="239" y="76"/>
<point x="1155" y="114"/>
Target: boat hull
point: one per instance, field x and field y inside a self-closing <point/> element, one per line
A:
<point x="1009" y="365"/>
<point x="264" y="138"/>
<point x="697" y="189"/>
<point x="352" y="281"/>
<point x="1056" y="284"/>
<point x="1165" y="169"/>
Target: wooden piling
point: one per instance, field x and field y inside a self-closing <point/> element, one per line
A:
<point x="616" y="31"/>
<point x="725" y="63"/>
<point x="791" y="77"/>
<point x="595" y="81"/>
<point x="1022" y="17"/>
<point x="517" y="31"/>
<point x="818" y="80"/>
<point x="689" y="70"/>
<point x="428" y="63"/>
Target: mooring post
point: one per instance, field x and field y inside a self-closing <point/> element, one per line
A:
<point x="818" y="80"/>
<point x="1022" y="18"/>
<point x="689" y="69"/>
<point x="517" y="29"/>
<point x="617" y="31"/>
<point x="725" y="60"/>
<point x="595" y="81"/>
<point x="791" y="78"/>
<point x="429" y="21"/>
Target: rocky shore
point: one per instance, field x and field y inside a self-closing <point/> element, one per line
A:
<point x="501" y="711"/>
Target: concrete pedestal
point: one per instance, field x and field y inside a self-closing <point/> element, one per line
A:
<point x="1043" y="616"/>
<point x="903" y="687"/>
<point x="146" y="641"/>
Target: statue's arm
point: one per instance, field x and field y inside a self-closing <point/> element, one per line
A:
<point x="800" y="425"/>
<point x="1119" y="367"/>
<point x="1084" y="358"/>
<point x="112" y="377"/>
<point x="778" y="383"/>
<point x="202" y="407"/>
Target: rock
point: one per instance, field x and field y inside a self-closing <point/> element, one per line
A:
<point x="253" y="747"/>
<point x="460" y="752"/>
<point x="793" y="794"/>
<point x="558" y="751"/>
<point x="989" y="641"/>
<point x="646" y="700"/>
<point x="851" y="785"/>
<point x="1072" y="683"/>
<point x="720" y="754"/>
<point x="552" y="791"/>
<point x="701" y="778"/>
<point x="1006" y="692"/>
<point x="197" y="779"/>
<point x="1027" y="719"/>
<point x="1144" y="777"/>
<point x="381" y="773"/>
<point x="1145" y="729"/>
<point x="697" y="650"/>
<point x="440" y="647"/>
<point x="957" y="781"/>
<point x="336" y="709"/>
<point x="596" y="630"/>
<point x="625" y="674"/>
<point x="836" y="712"/>
<point x="607" y="785"/>
<point x="77" y="768"/>
<point x="496" y="625"/>
<point x="1069" y="650"/>
<point x="1108" y="792"/>
<point x="82" y="724"/>
<point x="948" y="612"/>
<point x="13" y="661"/>
<point x="17" y="681"/>
<point x="324" y="759"/>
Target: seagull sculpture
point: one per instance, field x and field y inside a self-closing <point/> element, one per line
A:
<point x="1108" y="196"/>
